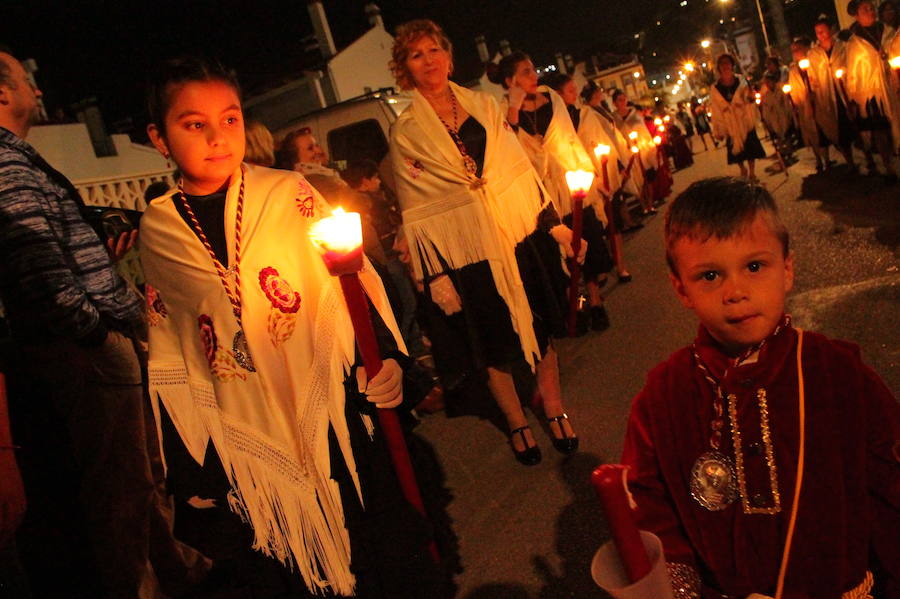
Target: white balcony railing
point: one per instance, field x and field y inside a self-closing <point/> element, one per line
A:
<point x="121" y="192"/>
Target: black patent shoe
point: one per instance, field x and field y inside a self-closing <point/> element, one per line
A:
<point x="566" y="444"/>
<point x="599" y="318"/>
<point x="530" y="456"/>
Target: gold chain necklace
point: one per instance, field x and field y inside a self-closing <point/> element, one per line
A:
<point x="239" y="347"/>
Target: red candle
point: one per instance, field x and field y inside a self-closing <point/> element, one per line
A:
<point x="341" y="242"/>
<point x="579" y="182"/>
<point x="604" y="162"/>
<point x="609" y="482"/>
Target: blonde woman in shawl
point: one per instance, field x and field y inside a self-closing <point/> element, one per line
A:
<point x="873" y="99"/>
<point x="260" y="145"/>
<point x="734" y="117"/>
<point x="827" y="59"/>
<point x="588" y="125"/>
<point x="806" y="108"/>
<point x="630" y="121"/>
<point x="251" y="367"/>
<point x="477" y="220"/>
<point x="548" y="135"/>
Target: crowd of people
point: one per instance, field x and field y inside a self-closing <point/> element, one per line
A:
<point x="242" y="365"/>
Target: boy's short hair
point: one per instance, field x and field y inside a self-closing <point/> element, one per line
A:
<point x="358" y="170"/>
<point x="719" y="207"/>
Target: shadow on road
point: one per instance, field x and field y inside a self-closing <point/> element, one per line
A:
<point x="498" y="590"/>
<point x="580" y="530"/>
<point x="857" y="201"/>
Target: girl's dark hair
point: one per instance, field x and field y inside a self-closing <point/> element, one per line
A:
<point x="824" y="19"/>
<point x="720" y="207"/>
<point x="358" y="170"/>
<point x="178" y="71"/>
<point x="801" y="42"/>
<point x="556" y="81"/>
<point x="588" y="91"/>
<point x="728" y="57"/>
<point x="883" y="7"/>
<point x="616" y="93"/>
<point x="506" y="69"/>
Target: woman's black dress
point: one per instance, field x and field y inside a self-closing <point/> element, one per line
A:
<point x="388" y="538"/>
<point x="753" y="149"/>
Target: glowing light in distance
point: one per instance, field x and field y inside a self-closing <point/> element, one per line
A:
<point x="895" y="62"/>
<point x="705" y="44"/>
<point x="637" y="74"/>
<point x="839" y="73"/>
<point x="803" y="64"/>
<point x="632" y="135"/>
<point x="786" y="88"/>
<point x="657" y="140"/>
<point x="657" y="121"/>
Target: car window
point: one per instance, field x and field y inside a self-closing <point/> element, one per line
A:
<point x="362" y="140"/>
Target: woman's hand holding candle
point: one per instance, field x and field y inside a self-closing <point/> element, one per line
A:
<point x="444" y="294"/>
<point x="563" y="236"/>
<point x="385" y="390"/>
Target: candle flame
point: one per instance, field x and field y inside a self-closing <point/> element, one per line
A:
<point x="839" y="73"/>
<point x="786" y="88"/>
<point x="662" y="128"/>
<point x="803" y="64"/>
<point x="758" y="101"/>
<point x="657" y="121"/>
<point x="579" y="181"/>
<point x="667" y="118"/>
<point x="689" y="67"/>
<point x="341" y="232"/>
<point x="657" y="140"/>
<point x="601" y="150"/>
<point x="895" y="62"/>
<point x="634" y="149"/>
<point x="632" y="135"/>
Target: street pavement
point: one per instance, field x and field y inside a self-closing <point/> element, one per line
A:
<point x="530" y="532"/>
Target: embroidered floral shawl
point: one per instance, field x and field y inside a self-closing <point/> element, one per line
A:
<point x="269" y="427"/>
<point x="451" y="216"/>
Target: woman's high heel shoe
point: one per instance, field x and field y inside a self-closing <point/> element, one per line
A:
<point x="565" y="445"/>
<point x="530" y="455"/>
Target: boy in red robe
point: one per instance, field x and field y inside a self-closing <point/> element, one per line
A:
<point x="714" y="437"/>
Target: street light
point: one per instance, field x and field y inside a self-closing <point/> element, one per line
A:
<point x="637" y="74"/>
<point x="705" y="44"/>
<point x="689" y="67"/>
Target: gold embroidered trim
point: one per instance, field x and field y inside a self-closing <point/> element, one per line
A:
<point x="685" y="581"/>
<point x="770" y="454"/>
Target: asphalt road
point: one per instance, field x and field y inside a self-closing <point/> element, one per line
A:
<point x="531" y="532"/>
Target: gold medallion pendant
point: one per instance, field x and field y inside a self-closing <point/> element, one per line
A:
<point x="713" y="482"/>
<point x="241" y="351"/>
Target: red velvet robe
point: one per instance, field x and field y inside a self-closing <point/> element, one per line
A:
<point x="850" y="499"/>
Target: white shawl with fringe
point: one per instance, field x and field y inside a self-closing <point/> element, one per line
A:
<point x="635" y="182"/>
<point x="451" y="216"/>
<point x="821" y="75"/>
<point x="869" y="76"/>
<point x="634" y="122"/>
<point x="734" y="119"/>
<point x="559" y="150"/>
<point x="592" y="133"/>
<point x="269" y="427"/>
<point x="803" y="99"/>
<point x="776" y="110"/>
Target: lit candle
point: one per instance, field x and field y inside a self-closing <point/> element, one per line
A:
<point x="657" y="121"/>
<point x="579" y="183"/>
<point x="657" y="140"/>
<point x="609" y="483"/>
<point x="895" y="62"/>
<point x="634" y="149"/>
<point x="786" y="88"/>
<point x="839" y="73"/>
<point x="662" y="128"/>
<point x="339" y="238"/>
<point x="633" y="135"/>
<point x="803" y="63"/>
<point x="602" y="152"/>
<point x="667" y="118"/>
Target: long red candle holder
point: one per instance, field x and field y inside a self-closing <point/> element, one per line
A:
<point x="346" y="266"/>
<point x="579" y="182"/>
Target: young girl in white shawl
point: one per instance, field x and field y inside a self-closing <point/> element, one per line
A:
<point x="630" y="121"/>
<point x="734" y="117"/>
<point x="873" y="98"/>
<point x="828" y="60"/>
<point x="477" y="221"/>
<point x="806" y="108"/>
<point x="548" y="135"/>
<point x="251" y="366"/>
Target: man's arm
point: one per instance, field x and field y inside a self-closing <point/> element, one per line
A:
<point x="33" y="257"/>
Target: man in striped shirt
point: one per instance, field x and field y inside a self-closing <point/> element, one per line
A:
<point x="75" y="326"/>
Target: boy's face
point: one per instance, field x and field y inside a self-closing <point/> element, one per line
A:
<point x="736" y="286"/>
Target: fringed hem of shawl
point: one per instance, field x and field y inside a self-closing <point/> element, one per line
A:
<point x="453" y="236"/>
<point x="294" y="511"/>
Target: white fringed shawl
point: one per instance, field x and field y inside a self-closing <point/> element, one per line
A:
<point x="734" y="119"/>
<point x="776" y="110"/>
<point x="592" y="133"/>
<point x="559" y="151"/>
<point x="821" y="75"/>
<point x="634" y="122"/>
<point x="635" y="182"/>
<point x="803" y="98"/>
<point x="450" y="216"/>
<point x="269" y="428"/>
<point x="869" y="76"/>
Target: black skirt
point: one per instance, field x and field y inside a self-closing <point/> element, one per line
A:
<point x="753" y="149"/>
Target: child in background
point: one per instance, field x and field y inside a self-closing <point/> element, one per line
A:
<point x="714" y="437"/>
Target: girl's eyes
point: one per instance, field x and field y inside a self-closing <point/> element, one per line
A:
<point x="709" y="275"/>
<point x="754" y="266"/>
<point x="194" y="125"/>
<point x="232" y="120"/>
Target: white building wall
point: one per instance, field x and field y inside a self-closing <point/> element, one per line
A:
<point x="69" y="150"/>
<point x="362" y="64"/>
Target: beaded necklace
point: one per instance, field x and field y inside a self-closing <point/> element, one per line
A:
<point x="468" y="162"/>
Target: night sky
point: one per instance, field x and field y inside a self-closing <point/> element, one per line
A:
<point x="102" y="49"/>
